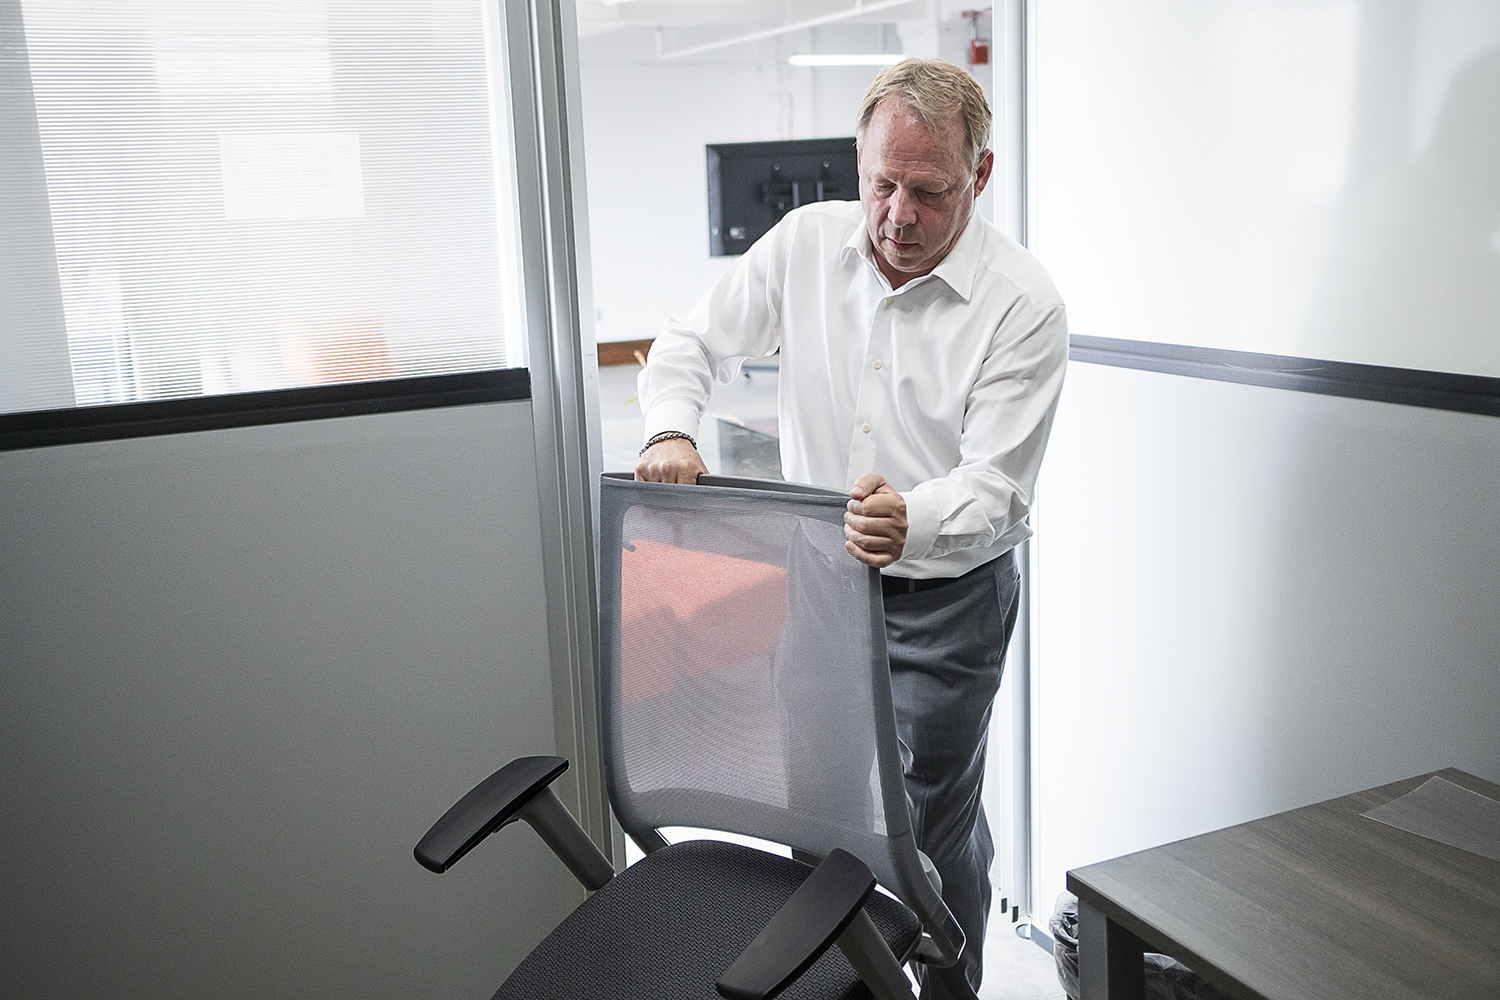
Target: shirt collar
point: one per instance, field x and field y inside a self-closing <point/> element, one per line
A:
<point x="955" y="270"/>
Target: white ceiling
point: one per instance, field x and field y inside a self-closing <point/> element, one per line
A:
<point x="735" y="16"/>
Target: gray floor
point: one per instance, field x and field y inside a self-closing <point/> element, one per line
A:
<point x="750" y="400"/>
<point x="1015" y="968"/>
<point x="620" y="420"/>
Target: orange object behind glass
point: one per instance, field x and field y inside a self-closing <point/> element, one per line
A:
<point x="669" y="597"/>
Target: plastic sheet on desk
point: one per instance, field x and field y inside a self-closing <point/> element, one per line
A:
<point x="1448" y="813"/>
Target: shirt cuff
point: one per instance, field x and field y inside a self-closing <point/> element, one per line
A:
<point x="671" y="415"/>
<point x="922" y="523"/>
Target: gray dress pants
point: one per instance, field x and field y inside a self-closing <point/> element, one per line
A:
<point x="947" y="647"/>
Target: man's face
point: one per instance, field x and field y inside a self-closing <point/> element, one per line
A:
<point x="916" y="189"/>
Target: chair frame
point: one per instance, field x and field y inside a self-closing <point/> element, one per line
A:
<point x="826" y="910"/>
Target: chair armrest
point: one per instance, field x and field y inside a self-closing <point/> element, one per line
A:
<point x="519" y="790"/>
<point x="489" y="805"/>
<point x="807" y="923"/>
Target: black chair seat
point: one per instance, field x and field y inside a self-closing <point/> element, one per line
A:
<point x="669" y="925"/>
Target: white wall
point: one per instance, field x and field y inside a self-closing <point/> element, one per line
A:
<point x="1254" y="599"/>
<point x="241" y="672"/>
<point x="1251" y="599"/>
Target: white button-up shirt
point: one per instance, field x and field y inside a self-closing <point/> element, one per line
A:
<point x="945" y="386"/>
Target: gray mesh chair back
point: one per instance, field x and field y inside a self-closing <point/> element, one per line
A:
<point x="743" y="677"/>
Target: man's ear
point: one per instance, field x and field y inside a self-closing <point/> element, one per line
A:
<point x="983" y="171"/>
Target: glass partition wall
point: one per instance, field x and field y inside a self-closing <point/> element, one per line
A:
<point x="1305" y="178"/>
<point x="219" y="198"/>
<point x="220" y="214"/>
<point x="1299" y="194"/>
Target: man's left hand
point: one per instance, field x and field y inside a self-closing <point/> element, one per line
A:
<point x="875" y="521"/>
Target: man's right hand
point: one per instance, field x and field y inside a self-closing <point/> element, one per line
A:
<point x="674" y="460"/>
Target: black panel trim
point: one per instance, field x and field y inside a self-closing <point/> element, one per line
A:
<point x="44" y="428"/>
<point x="1411" y="387"/>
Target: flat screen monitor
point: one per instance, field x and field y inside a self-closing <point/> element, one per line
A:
<point x="751" y="185"/>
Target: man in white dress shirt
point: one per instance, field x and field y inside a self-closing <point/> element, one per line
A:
<point x="922" y="353"/>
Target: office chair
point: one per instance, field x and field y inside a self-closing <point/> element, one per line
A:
<point x="743" y="687"/>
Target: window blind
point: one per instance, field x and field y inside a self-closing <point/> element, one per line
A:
<point x="264" y="196"/>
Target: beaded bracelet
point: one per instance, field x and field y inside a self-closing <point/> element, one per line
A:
<point x="657" y="439"/>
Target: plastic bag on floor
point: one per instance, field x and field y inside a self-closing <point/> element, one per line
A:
<point x="1166" y="978"/>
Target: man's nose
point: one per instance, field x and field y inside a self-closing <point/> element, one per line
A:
<point x="903" y="209"/>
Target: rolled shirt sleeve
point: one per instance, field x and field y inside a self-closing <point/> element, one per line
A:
<point x="984" y="502"/>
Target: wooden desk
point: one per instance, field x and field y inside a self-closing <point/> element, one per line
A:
<point x="1318" y="903"/>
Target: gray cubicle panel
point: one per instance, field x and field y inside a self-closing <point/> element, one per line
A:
<point x="240" y="673"/>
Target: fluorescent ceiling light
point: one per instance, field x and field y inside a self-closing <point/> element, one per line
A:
<point x="869" y="59"/>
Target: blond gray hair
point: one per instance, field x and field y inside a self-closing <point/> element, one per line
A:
<point x="932" y="90"/>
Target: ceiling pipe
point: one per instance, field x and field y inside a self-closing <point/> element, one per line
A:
<point x="860" y="7"/>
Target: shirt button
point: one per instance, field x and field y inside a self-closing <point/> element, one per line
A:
<point x="877" y="364"/>
<point x="890" y="299"/>
<point x="866" y="427"/>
